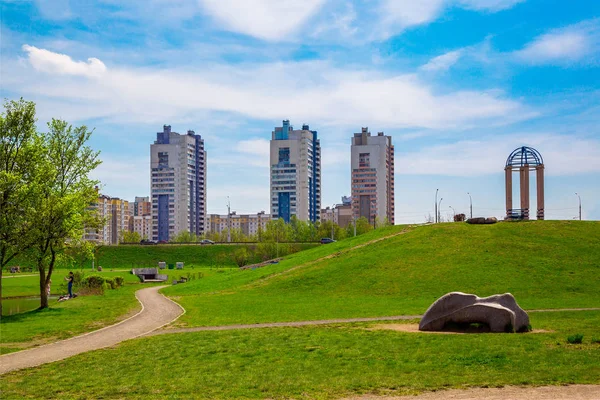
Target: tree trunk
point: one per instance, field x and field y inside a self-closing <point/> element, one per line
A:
<point x="43" y="293"/>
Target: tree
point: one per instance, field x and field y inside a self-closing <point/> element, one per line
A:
<point x="20" y="152"/>
<point x="62" y="208"/>
<point x="130" y="237"/>
<point x="362" y="226"/>
<point x="185" y="237"/>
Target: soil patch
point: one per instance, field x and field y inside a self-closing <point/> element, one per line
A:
<point x="571" y="392"/>
<point x="414" y="328"/>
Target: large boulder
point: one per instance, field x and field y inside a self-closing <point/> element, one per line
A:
<point x="500" y="312"/>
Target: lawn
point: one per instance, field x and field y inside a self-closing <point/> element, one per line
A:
<point x="545" y="264"/>
<point x="319" y="362"/>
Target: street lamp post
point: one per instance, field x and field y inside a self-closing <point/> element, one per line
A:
<point x="440" y="210"/>
<point x="453" y="213"/>
<point x="579" y="197"/>
<point x="332" y="218"/>
<point x="228" y="221"/>
<point x="436" y="206"/>
<point x="470" y="204"/>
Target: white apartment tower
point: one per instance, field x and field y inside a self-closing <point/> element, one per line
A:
<point x="372" y="164"/>
<point x="178" y="184"/>
<point x="295" y="173"/>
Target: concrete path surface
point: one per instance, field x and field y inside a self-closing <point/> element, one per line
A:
<point x="157" y="311"/>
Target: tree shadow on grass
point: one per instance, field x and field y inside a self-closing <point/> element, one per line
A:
<point x="27" y="314"/>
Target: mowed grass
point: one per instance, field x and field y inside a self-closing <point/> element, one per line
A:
<point x="318" y="362"/>
<point x="545" y="264"/>
<point x="76" y="316"/>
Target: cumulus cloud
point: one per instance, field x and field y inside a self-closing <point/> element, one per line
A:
<point x="258" y="147"/>
<point x="562" y="46"/>
<point x="55" y="63"/>
<point x="443" y="62"/>
<point x="264" y="19"/>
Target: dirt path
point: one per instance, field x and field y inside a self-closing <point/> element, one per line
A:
<point x="157" y="311"/>
<point x="571" y="392"/>
<point x="320" y="322"/>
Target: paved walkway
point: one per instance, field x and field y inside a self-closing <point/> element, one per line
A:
<point x="157" y="311"/>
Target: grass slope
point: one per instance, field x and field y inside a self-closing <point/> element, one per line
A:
<point x="545" y="264"/>
<point x="134" y="256"/>
<point x="317" y="362"/>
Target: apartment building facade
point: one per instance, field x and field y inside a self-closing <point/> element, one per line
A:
<point x="295" y="175"/>
<point x="178" y="184"/>
<point x="249" y="224"/>
<point x="372" y="166"/>
<point x="116" y="214"/>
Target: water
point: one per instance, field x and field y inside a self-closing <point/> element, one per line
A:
<point x="22" y="304"/>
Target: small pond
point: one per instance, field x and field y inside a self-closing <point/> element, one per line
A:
<point x="21" y="304"/>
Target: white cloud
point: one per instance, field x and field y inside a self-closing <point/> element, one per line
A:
<point x="489" y="5"/>
<point x="317" y="93"/>
<point x="264" y="19"/>
<point x="488" y="156"/>
<point x="571" y="44"/>
<point x="258" y="147"/>
<point x="443" y="62"/>
<point x="55" y="63"/>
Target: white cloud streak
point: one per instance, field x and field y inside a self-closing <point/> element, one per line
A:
<point x="314" y="91"/>
<point x="575" y="43"/>
<point x="443" y="62"/>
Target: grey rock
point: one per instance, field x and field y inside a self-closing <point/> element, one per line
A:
<point x="500" y="312"/>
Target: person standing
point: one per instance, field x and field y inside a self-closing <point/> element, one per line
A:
<point x="70" y="279"/>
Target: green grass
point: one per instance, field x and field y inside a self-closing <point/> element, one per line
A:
<point x="545" y="264"/>
<point x="317" y="362"/>
<point x="136" y="256"/>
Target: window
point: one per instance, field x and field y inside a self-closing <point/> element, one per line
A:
<point x="163" y="159"/>
<point x="363" y="160"/>
<point x="284" y="155"/>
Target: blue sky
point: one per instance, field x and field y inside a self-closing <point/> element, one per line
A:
<point x="458" y="84"/>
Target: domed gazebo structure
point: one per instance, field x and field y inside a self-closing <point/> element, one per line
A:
<point x="524" y="159"/>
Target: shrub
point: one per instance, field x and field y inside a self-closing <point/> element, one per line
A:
<point x="575" y="339"/>
<point x="596" y="340"/>
<point x="241" y="257"/>
<point x="119" y="280"/>
<point x="93" y="284"/>
<point x="110" y="282"/>
<point x="78" y="277"/>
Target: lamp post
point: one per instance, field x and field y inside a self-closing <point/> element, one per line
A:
<point x="470" y="204"/>
<point x="453" y="213"/>
<point x="228" y="221"/>
<point x="440" y="210"/>
<point x="436" y="206"/>
<point x="579" y="197"/>
<point x="332" y="218"/>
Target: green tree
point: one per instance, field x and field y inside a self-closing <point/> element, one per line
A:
<point x="362" y="226"/>
<point x="185" y="237"/>
<point x="130" y="237"/>
<point x="19" y="154"/>
<point x="62" y="208"/>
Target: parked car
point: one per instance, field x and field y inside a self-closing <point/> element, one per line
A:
<point x="206" y="241"/>
<point x="146" y="241"/>
<point x="327" y="240"/>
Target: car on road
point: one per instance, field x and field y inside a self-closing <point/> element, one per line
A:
<point x="146" y="241"/>
<point x="206" y="241"/>
<point x="327" y="240"/>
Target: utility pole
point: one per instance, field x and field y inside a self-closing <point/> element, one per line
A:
<point x="579" y="197"/>
<point x="228" y="220"/>
<point x="332" y="218"/>
<point x="436" y="206"/>
<point x="440" y="210"/>
<point x="453" y="213"/>
<point x="470" y="204"/>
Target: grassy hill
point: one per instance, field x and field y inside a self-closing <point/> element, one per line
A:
<point x="545" y="264"/>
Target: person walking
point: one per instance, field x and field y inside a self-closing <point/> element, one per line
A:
<point x="70" y="278"/>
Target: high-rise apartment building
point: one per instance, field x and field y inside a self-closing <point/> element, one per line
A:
<point x="116" y="214"/>
<point x="372" y="164"/>
<point x="295" y="173"/>
<point x="178" y="184"/>
<point x="142" y="206"/>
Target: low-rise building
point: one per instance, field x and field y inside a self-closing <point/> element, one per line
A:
<point x="249" y="224"/>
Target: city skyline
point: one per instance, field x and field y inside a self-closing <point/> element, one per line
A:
<point x="457" y="84"/>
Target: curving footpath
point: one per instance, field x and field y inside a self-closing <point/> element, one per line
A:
<point x="157" y="311"/>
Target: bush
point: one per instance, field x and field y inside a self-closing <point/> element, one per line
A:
<point x="78" y="277"/>
<point x="575" y="339"/>
<point x="93" y="284"/>
<point x="110" y="282"/>
<point x="596" y="340"/>
<point x="119" y="280"/>
<point x="241" y="257"/>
